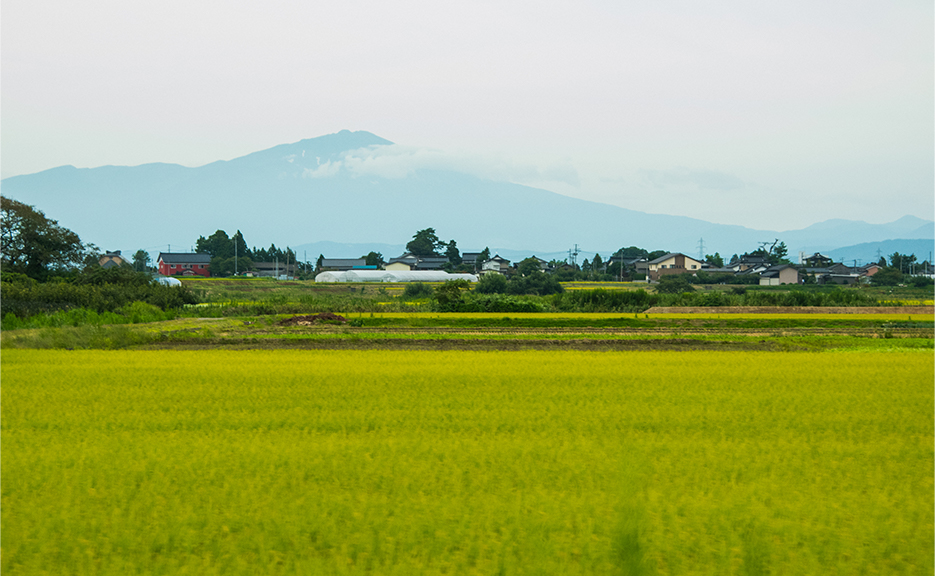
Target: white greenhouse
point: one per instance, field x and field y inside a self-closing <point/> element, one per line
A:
<point x="392" y="276"/>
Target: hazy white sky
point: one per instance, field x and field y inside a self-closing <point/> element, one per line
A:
<point x="768" y="114"/>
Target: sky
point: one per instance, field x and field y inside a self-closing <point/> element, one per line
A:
<point x="773" y="115"/>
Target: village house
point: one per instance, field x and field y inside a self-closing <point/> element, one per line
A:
<point x="817" y="260"/>
<point x="496" y="264"/>
<point x="274" y="269"/>
<point x="470" y="259"/>
<point x="409" y="261"/>
<point x="183" y="264"/>
<point x="672" y="263"/>
<point x="779" y="275"/>
<point x="341" y="264"/>
<point x="111" y="259"/>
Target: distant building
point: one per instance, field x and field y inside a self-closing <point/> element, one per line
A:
<point x="496" y="264"/>
<point x="672" y="263"/>
<point x="185" y="264"/>
<point x="274" y="269"/>
<point x="778" y="275"/>
<point x="341" y="264"/>
<point x="409" y="261"/>
<point x="111" y="259"/>
<point x="818" y="260"/>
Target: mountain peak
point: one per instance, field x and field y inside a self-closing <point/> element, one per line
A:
<point x="322" y="146"/>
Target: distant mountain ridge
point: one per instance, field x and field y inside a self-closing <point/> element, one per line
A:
<point x="319" y="189"/>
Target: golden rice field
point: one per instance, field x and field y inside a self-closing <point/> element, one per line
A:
<point x="531" y="462"/>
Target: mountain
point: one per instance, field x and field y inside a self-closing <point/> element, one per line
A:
<point x="357" y="188"/>
<point x="871" y="251"/>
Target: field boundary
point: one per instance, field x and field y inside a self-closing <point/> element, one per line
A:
<point x="791" y="310"/>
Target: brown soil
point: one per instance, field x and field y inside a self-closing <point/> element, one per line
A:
<point x="792" y="310"/>
<point x="312" y="319"/>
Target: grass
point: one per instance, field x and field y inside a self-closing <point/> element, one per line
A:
<point x="353" y="462"/>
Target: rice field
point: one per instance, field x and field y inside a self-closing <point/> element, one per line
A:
<point x="531" y="462"/>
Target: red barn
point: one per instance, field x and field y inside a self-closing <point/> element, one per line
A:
<point x="187" y="264"/>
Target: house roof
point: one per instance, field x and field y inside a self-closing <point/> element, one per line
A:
<point x="670" y="255"/>
<point x="273" y="265"/>
<point x="184" y="258"/>
<point x="342" y="262"/>
<point x="773" y="271"/>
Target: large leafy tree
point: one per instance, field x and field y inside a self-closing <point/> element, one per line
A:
<point x="34" y="245"/>
<point x="528" y="266"/>
<point x="888" y="276"/>
<point x="715" y="260"/>
<point x="425" y="243"/>
<point x="902" y="262"/>
<point x="374" y="259"/>
<point x="454" y="256"/>
<point x="218" y="245"/>
<point x="229" y="254"/>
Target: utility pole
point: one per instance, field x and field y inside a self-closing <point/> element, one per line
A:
<point x="235" y="254"/>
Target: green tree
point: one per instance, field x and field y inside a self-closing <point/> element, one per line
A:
<point x="218" y="245"/>
<point x="240" y="246"/>
<point x="141" y="260"/>
<point x="454" y="257"/>
<point x="597" y="264"/>
<point x="36" y="246"/>
<point x="775" y="253"/>
<point x="374" y="259"/>
<point x="491" y="283"/>
<point x="449" y="295"/>
<point x="528" y="266"/>
<point x="482" y="257"/>
<point x="425" y="243"/>
<point x="715" y="260"/>
<point x="902" y="262"/>
<point x="888" y="276"/>
<point x="632" y="252"/>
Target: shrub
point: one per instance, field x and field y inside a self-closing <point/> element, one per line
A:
<point x="417" y="290"/>
<point x="491" y="284"/>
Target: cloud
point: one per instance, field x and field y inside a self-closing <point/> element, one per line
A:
<point x="323" y="170"/>
<point x="396" y="162"/>
<point x="702" y="179"/>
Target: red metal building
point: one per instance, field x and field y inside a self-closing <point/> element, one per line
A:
<point x="185" y="264"/>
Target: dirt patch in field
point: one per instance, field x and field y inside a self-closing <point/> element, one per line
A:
<point x="792" y="310"/>
<point x="313" y="319"/>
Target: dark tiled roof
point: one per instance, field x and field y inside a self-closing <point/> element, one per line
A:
<point x="184" y="258"/>
<point x="342" y="262"/>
